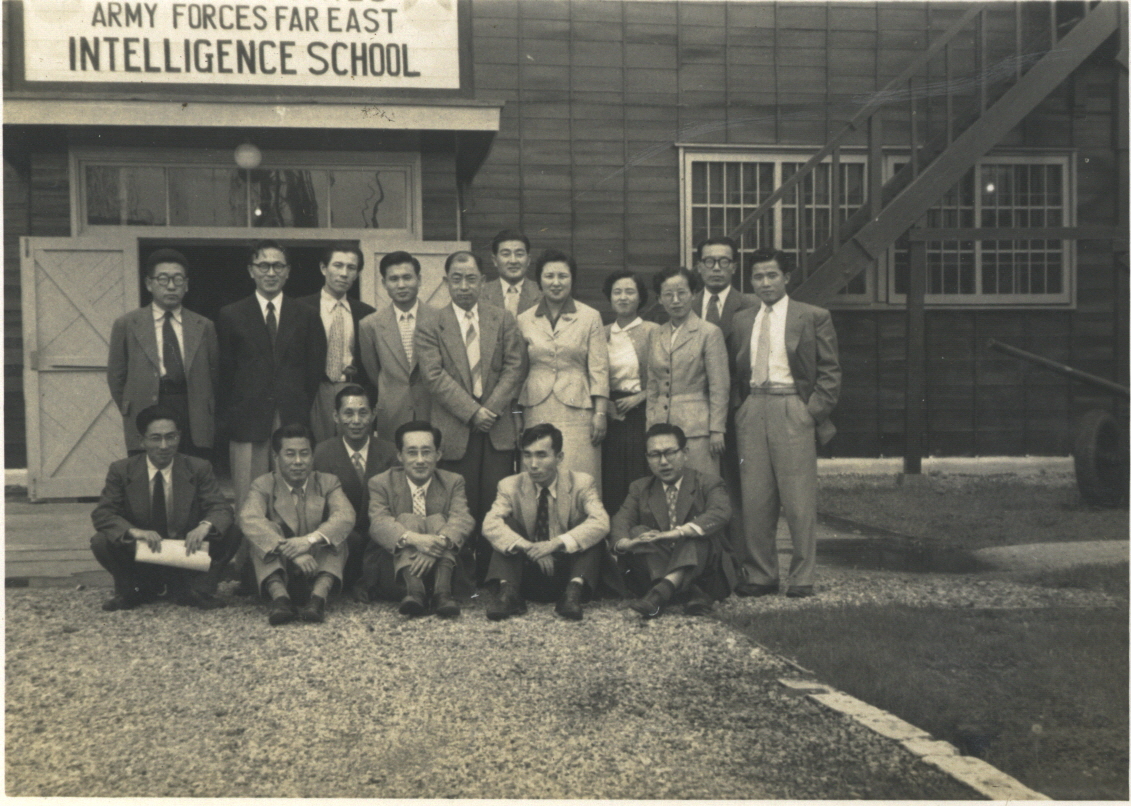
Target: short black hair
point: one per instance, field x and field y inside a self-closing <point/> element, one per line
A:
<point x="768" y="253"/>
<point x="259" y="246"/>
<point x="352" y="390"/>
<point x="291" y="431"/>
<point x="694" y="281"/>
<point x="718" y="240"/>
<point x="663" y="429"/>
<point x="460" y="255"/>
<point x="508" y="235"/>
<point x="149" y="415"/>
<point x="396" y="259"/>
<point x="540" y="431"/>
<point x="347" y="247"/>
<point x="626" y="274"/>
<point x="412" y="426"/>
<point x="165" y="256"/>
<point x="554" y="256"/>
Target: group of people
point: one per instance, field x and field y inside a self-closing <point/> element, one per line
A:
<point x="375" y="451"/>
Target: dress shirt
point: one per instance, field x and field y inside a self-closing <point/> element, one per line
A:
<point x="512" y="295"/>
<point x="462" y="318"/>
<point x="686" y="528"/>
<point x="707" y="300"/>
<point x="159" y="326"/>
<point x="404" y="323"/>
<point x="624" y="364"/>
<point x="363" y="450"/>
<point x="262" y="300"/>
<point x="327" y="304"/>
<point x="780" y="374"/>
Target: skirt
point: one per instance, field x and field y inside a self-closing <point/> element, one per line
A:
<point x="580" y="454"/>
<point x="622" y="456"/>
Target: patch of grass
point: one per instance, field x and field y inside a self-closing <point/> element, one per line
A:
<point x="1041" y="694"/>
<point x="975" y="513"/>
<point x="1112" y="579"/>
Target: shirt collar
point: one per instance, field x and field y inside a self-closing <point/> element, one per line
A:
<point x="462" y="314"/>
<point x="781" y="305"/>
<point x="363" y="450"/>
<point x="329" y="301"/>
<point x="675" y="484"/>
<point x="305" y="485"/>
<point x="159" y="313"/>
<point x="567" y="307"/>
<point x="618" y="329"/>
<point x="413" y="487"/>
<point x="722" y="296"/>
<point x="553" y="488"/>
<point x="413" y="311"/>
<point x="278" y="301"/>
<point x="153" y="471"/>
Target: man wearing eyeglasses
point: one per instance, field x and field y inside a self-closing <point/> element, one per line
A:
<point x="164" y="353"/>
<point x="667" y="528"/>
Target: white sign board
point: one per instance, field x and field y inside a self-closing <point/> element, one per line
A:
<point x="386" y="44"/>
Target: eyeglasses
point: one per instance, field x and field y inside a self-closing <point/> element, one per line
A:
<point x="671" y="296"/>
<point x="669" y="454"/>
<point x="269" y="268"/>
<point x="171" y="280"/>
<point x="172" y="438"/>
<point x="721" y="262"/>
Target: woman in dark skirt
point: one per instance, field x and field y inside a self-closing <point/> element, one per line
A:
<point x="622" y="457"/>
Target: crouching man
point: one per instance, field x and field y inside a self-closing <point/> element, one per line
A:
<point x="419" y="515"/>
<point x="546" y="528"/>
<point x="296" y="522"/>
<point x="667" y="524"/>
<point x="155" y="496"/>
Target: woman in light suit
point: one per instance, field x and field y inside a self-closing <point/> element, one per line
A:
<point x="622" y="454"/>
<point x="688" y="377"/>
<point x="568" y="382"/>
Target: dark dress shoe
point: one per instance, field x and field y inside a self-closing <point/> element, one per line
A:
<point x="646" y="607"/>
<point x="444" y="606"/>
<point x="314" y="611"/>
<point x="200" y="600"/>
<point x="569" y="606"/>
<point x="281" y="611"/>
<point x="411" y="606"/>
<point x="506" y="603"/>
<point x="700" y="603"/>
<point x="750" y="589"/>
<point x="799" y="591"/>
<point x="360" y="593"/>
<point x="121" y="602"/>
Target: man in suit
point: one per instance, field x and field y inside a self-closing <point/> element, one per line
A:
<point x="272" y="359"/>
<point x="165" y="353"/>
<point x="159" y="495"/>
<point x="296" y="521"/>
<point x="354" y="458"/>
<point x="341" y="265"/>
<point x="474" y="362"/>
<point x="787" y="380"/>
<point x="546" y="528"/>
<point x="513" y="291"/>
<point x="418" y="515"/>
<point x="388" y="353"/>
<point x="668" y="522"/>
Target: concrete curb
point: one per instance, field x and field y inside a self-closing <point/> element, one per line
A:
<point x="983" y="778"/>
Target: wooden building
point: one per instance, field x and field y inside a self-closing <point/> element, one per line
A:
<point x="622" y="131"/>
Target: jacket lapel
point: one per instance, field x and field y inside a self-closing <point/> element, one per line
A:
<point x="452" y="335"/>
<point x="437" y="496"/>
<point x="145" y="332"/>
<point x="288" y="321"/>
<point x="528" y="503"/>
<point x="391" y="334"/>
<point x="137" y="490"/>
<point x="564" y="489"/>
<point x="285" y="504"/>
<point x="658" y="503"/>
<point x="183" y="495"/>
<point x="690" y="327"/>
<point x="315" y="502"/>
<point x="192" y="329"/>
<point x="489" y="321"/>
<point x="530" y="294"/>
<point x="687" y="491"/>
<point x="793" y="328"/>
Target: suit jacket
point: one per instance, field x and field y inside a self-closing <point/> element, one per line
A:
<point x="358" y="311"/>
<point x="570" y="361"/>
<point x="810" y="343"/>
<point x="256" y="379"/>
<point x="640" y="336"/>
<point x="133" y="371"/>
<point x="330" y="456"/>
<point x="689" y="382"/>
<point x="530" y="295"/>
<point x="268" y="512"/>
<point x="581" y="518"/>
<point x="736" y="301"/>
<point x="443" y="360"/>
<point x="125" y="499"/>
<point x="702" y="500"/>
<point x="401" y="392"/>
<point x="389" y="498"/>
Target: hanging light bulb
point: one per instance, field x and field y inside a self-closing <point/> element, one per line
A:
<point x="248" y="156"/>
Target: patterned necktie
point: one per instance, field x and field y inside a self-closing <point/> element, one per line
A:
<point x="542" y="519"/>
<point x="171" y="351"/>
<point x="160" y="513"/>
<point x="337" y="344"/>
<point x="673" y="494"/>
<point x="272" y="323"/>
<point x="300" y="510"/>
<point x="473" y="359"/>
<point x="406" y="335"/>
<point x="418" y="507"/>
<point x="359" y="466"/>
<point x="510" y="299"/>
<point x="761" y="371"/>
<point x="713" y="310"/>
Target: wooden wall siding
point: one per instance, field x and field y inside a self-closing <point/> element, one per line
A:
<point x="17" y="201"/>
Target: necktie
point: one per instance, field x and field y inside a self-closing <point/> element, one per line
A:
<point x="761" y="371"/>
<point x="272" y="323"/>
<point x="542" y="519"/>
<point x="511" y="297"/>
<point x="473" y="359"/>
<point x="359" y="466"/>
<point x="337" y="345"/>
<point x="300" y="510"/>
<point x="406" y="335"/>
<point x="418" y="507"/>
<point x="160" y="514"/>
<point x="713" y="310"/>
<point x="171" y="351"/>
<point x="673" y="494"/>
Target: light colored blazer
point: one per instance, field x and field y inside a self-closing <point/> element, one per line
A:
<point x="810" y="345"/>
<point x="390" y="499"/>
<point x="581" y="520"/>
<point x="401" y="392"/>
<point x="639" y="336"/>
<point x="570" y="361"/>
<point x="133" y="371"/>
<point x="689" y="382"/>
<point x="530" y="295"/>
<point x="269" y="506"/>
<point x="443" y="361"/>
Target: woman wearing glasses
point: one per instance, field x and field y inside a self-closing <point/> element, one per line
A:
<point x="688" y="378"/>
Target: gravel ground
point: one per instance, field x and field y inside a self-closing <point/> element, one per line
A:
<point x="165" y="701"/>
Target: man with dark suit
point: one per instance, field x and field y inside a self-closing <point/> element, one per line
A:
<point x="387" y="342"/>
<point x="296" y="521"/>
<point x="474" y="362"/>
<point x="546" y="527"/>
<point x="354" y="458"/>
<point x="418" y="516"/>
<point x="668" y="522"/>
<point x="165" y="353"/>
<point x="156" y="496"/>
<point x="787" y="379"/>
<point x="341" y="265"/>
<point x="513" y="291"/>
<point x="272" y="358"/>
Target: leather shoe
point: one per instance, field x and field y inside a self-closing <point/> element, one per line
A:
<point x="200" y="600"/>
<point x="281" y="611"/>
<point x="750" y="589"/>
<point x="360" y="593"/>
<point x="799" y="591"/>
<point x="506" y="603"/>
<point x="569" y="606"/>
<point x="411" y="606"/>
<point x="444" y="606"/>
<point x="121" y="602"/>
<point x="313" y="611"/>
<point x="700" y="603"/>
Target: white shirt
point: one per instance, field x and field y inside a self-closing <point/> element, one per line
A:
<point x="328" y="302"/>
<point x="363" y="450"/>
<point x="413" y="487"/>
<point x="707" y="301"/>
<point x="262" y="300"/>
<point x="462" y="318"/>
<point x="159" y="325"/>
<point x="624" y="363"/>
<point x="780" y="374"/>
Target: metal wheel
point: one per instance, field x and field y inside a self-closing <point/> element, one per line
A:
<point x="1100" y="452"/>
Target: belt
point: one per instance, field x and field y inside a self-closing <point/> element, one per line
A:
<point x="773" y="390"/>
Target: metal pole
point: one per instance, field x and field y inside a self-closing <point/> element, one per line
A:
<point x="915" y="422"/>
